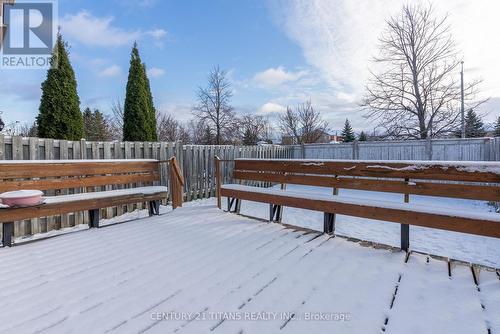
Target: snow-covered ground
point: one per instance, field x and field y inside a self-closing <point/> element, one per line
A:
<point x="199" y="270"/>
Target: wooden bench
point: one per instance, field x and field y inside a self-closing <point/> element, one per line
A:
<point x="477" y="181"/>
<point x="91" y="176"/>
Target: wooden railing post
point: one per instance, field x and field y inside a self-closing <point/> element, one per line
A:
<point x="217" y="181"/>
<point x="176" y="183"/>
<point x="405" y="228"/>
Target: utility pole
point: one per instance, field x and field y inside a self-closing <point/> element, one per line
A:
<point x="462" y="99"/>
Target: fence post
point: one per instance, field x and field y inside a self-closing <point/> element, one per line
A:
<point x="428" y="148"/>
<point x="33" y="155"/>
<point x="355" y="150"/>
<point x="2" y="147"/>
<point x="405" y="228"/>
<point x="217" y="181"/>
<point x="489" y="149"/>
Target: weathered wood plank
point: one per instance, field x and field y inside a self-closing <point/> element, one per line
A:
<point x="469" y="191"/>
<point x="76" y="205"/>
<point x="423" y="219"/>
<point x="68" y="183"/>
<point x="427" y="171"/>
<point x="59" y="169"/>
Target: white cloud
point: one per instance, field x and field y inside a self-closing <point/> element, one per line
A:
<point x="91" y="30"/>
<point x="111" y="71"/>
<point x="157" y="33"/>
<point x="156" y="72"/>
<point x="133" y="4"/>
<point x="271" y="108"/>
<point x="181" y="110"/>
<point x="276" y="76"/>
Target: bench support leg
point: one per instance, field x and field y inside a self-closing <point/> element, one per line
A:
<point x="230" y="202"/>
<point x="94" y="216"/>
<point x="7" y="233"/>
<point x="329" y="223"/>
<point x="238" y="206"/>
<point x="405" y="237"/>
<point x="279" y="214"/>
<point x="154" y="208"/>
<point x="274" y="213"/>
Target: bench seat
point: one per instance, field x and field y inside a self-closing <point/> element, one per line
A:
<point x="55" y="205"/>
<point x="152" y="190"/>
<point x="487" y="224"/>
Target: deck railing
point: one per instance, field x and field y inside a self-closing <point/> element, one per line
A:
<point x="176" y="183"/>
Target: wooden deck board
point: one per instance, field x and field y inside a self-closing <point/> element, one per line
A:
<point x="199" y="259"/>
<point x="429" y="301"/>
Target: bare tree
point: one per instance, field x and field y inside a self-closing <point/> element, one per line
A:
<point x="115" y="121"/>
<point x="183" y="134"/>
<point x="200" y="133"/>
<point x="170" y="129"/>
<point x="415" y="92"/>
<point x="269" y="132"/>
<point x="213" y="107"/>
<point x="167" y="127"/>
<point x="303" y="124"/>
<point x="28" y="130"/>
<point x="253" y="128"/>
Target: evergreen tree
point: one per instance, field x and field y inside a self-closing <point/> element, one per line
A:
<point x="362" y="136"/>
<point x="139" y="119"/>
<point x="208" y="136"/>
<point x="151" y="107"/>
<point x="250" y="138"/>
<point x="96" y="126"/>
<point x="59" y="113"/>
<point x="497" y="128"/>
<point x="474" y="126"/>
<point x="348" y="133"/>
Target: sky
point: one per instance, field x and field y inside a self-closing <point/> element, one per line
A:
<point x="276" y="53"/>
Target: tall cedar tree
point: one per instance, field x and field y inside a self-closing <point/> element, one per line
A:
<point x="497" y="127"/>
<point x="139" y="119"/>
<point x="474" y="126"/>
<point x="96" y="126"/>
<point x="348" y="133"/>
<point x="59" y="113"/>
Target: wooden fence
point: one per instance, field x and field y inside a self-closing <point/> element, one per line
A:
<point x="470" y="149"/>
<point x="196" y="163"/>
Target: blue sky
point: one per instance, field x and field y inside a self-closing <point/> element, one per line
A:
<point x="179" y="41"/>
<point x="276" y="52"/>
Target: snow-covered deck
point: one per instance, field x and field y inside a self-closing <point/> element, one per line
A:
<point x="198" y="269"/>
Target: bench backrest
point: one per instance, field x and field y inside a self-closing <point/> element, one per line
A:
<point x="67" y="174"/>
<point x="467" y="180"/>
